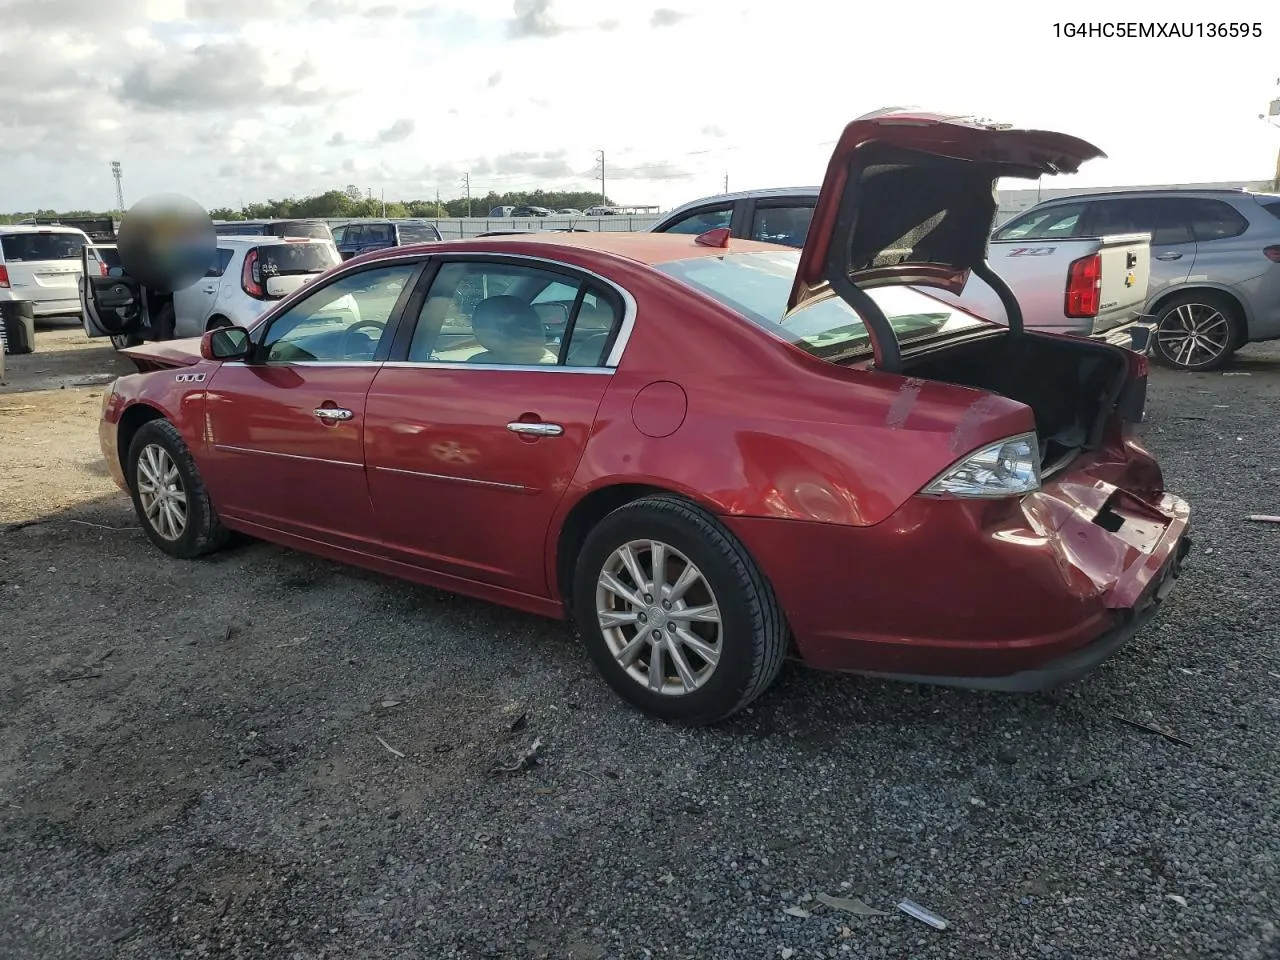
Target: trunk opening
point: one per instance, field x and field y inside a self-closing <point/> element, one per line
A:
<point x="1072" y="386"/>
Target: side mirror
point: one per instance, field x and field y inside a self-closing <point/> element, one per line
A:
<point x="225" y="343"/>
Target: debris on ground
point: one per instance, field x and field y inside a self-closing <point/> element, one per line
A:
<point x="800" y="912"/>
<point x="389" y="747"/>
<point x="523" y="762"/>
<point x="850" y="905"/>
<point x="1152" y="729"/>
<point x="913" y="909"/>
<point x="519" y="723"/>
<point x="1180" y="901"/>
<point x="1263" y="518"/>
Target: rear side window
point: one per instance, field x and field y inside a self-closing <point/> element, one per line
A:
<point x="1272" y="207"/>
<point x="1053" y="223"/>
<point x="23" y="247"/>
<point x="785" y="225"/>
<point x="1163" y="218"/>
<point x="1212" y="219"/>
<point x="285" y="259"/>
<point x="221" y="260"/>
<point x="418" y="233"/>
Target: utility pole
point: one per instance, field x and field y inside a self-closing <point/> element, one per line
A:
<point x="437" y="202"/>
<point x="115" y="172"/>
<point x="726" y="182"/>
<point x="466" y="182"/>
<point x="384" y="201"/>
<point x="600" y="160"/>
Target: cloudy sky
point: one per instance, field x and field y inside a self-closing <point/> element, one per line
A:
<point x="231" y="101"/>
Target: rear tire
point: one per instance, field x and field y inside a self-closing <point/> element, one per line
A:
<point x="217" y="322"/>
<point x="1198" y="331"/>
<point x="168" y="493"/>
<point x="697" y="642"/>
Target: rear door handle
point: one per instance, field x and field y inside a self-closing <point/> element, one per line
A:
<point x="333" y="413"/>
<point x="210" y="289"/>
<point x="1168" y="256"/>
<point x="535" y="429"/>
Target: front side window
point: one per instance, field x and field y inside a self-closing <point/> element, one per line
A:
<point x="418" y="233"/>
<point x="502" y="314"/>
<point x="344" y="320"/>
<point x="1052" y="223"/>
<point x="758" y="286"/>
<point x="785" y="225"/>
<point x="701" y="221"/>
<point x="377" y="233"/>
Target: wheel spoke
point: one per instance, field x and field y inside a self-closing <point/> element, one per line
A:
<point x="616" y="618"/>
<point x="707" y="613"/>
<point x="632" y="564"/>
<point x="615" y="586"/>
<point x="152" y="507"/>
<point x="688" y="577"/>
<point x="687" y="679"/>
<point x="656" y="674"/>
<point x="699" y="646"/>
<point x="627" y="655"/>
<point x="658" y="564"/>
<point x="1187" y="318"/>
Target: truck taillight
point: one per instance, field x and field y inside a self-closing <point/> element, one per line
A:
<point x="4" y="277"/>
<point x="251" y="277"/>
<point x="1084" y="287"/>
<point x="1272" y="253"/>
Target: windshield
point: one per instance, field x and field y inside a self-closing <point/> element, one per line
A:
<point x="19" y="247"/>
<point x="281" y="260"/>
<point x="758" y="285"/>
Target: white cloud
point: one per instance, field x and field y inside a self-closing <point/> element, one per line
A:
<point x="230" y="100"/>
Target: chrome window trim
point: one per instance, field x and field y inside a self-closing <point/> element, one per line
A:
<point x="523" y="367"/>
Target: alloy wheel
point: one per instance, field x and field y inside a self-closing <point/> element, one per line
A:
<point x="1194" y="335"/>
<point x="659" y="617"/>
<point x="160" y="490"/>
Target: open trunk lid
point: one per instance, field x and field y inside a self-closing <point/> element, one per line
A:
<point x="909" y="198"/>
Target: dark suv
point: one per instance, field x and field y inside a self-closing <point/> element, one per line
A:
<point x="361" y="236"/>
<point x="1215" y="262"/>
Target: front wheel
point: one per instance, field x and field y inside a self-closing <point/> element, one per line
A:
<point x="675" y="614"/>
<point x="169" y="495"/>
<point x="1197" y="331"/>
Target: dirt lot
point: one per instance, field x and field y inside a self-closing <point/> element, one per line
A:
<point x="196" y="759"/>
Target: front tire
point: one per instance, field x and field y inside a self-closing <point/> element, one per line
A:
<point x="123" y="340"/>
<point x="1197" y="332"/>
<point x="168" y="493"/>
<point x="675" y="614"/>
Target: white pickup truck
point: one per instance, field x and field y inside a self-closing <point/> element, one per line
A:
<point x="1086" y="286"/>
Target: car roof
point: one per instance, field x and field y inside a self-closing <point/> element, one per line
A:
<point x="38" y="228"/>
<point x="267" y="239"/>
<point x="764" y="193"/>
<point x="647" y="248"/>
<point x="1147" y="192"/>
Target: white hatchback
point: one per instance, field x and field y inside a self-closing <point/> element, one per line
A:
<point x="42" y="265"/>
<point x="248" y="275"/>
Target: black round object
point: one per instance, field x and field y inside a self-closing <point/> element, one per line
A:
<point x="166" y="242"/>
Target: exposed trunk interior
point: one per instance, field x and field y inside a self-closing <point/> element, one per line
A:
<point x="1072" y="386"/>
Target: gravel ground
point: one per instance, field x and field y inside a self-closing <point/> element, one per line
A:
<point x="204" y="759"/>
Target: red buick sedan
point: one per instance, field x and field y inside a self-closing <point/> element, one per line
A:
<point x="709" y="453"/>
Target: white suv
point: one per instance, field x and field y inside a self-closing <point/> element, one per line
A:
<point x="248" y="275"/>
<point x="42" y="265"/>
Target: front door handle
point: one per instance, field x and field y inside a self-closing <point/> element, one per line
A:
<point x="210" y="289"/>
<point x="1168" y="256"/>
<point x="333" y="414"/>
<point x="535" y="429"/>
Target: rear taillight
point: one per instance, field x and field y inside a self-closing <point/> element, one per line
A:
<point x="103" y="269"/>
<point x="4" y="277"/>
<point x="1084" y="287"/>
<point x="1272" y="253"/>
<point x="251" y="277"/>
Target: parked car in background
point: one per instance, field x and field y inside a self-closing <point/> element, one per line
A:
<point x="568" y="212"/>
<point x="1085" y="285"/>
<point x="248" y="276"/>
<point x="529" y="211"/>
<point x="315" y="229"/>
<point x="602" y="212"/>
<point x="776" y="215"/>
<point x="926" y="495"/>
<point x="97" y="229"/>
<point x="362" y="236"/>
<point x="500" y="211"/>
<point x="1215" y="262"/>
<point x="42" y="265"/>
